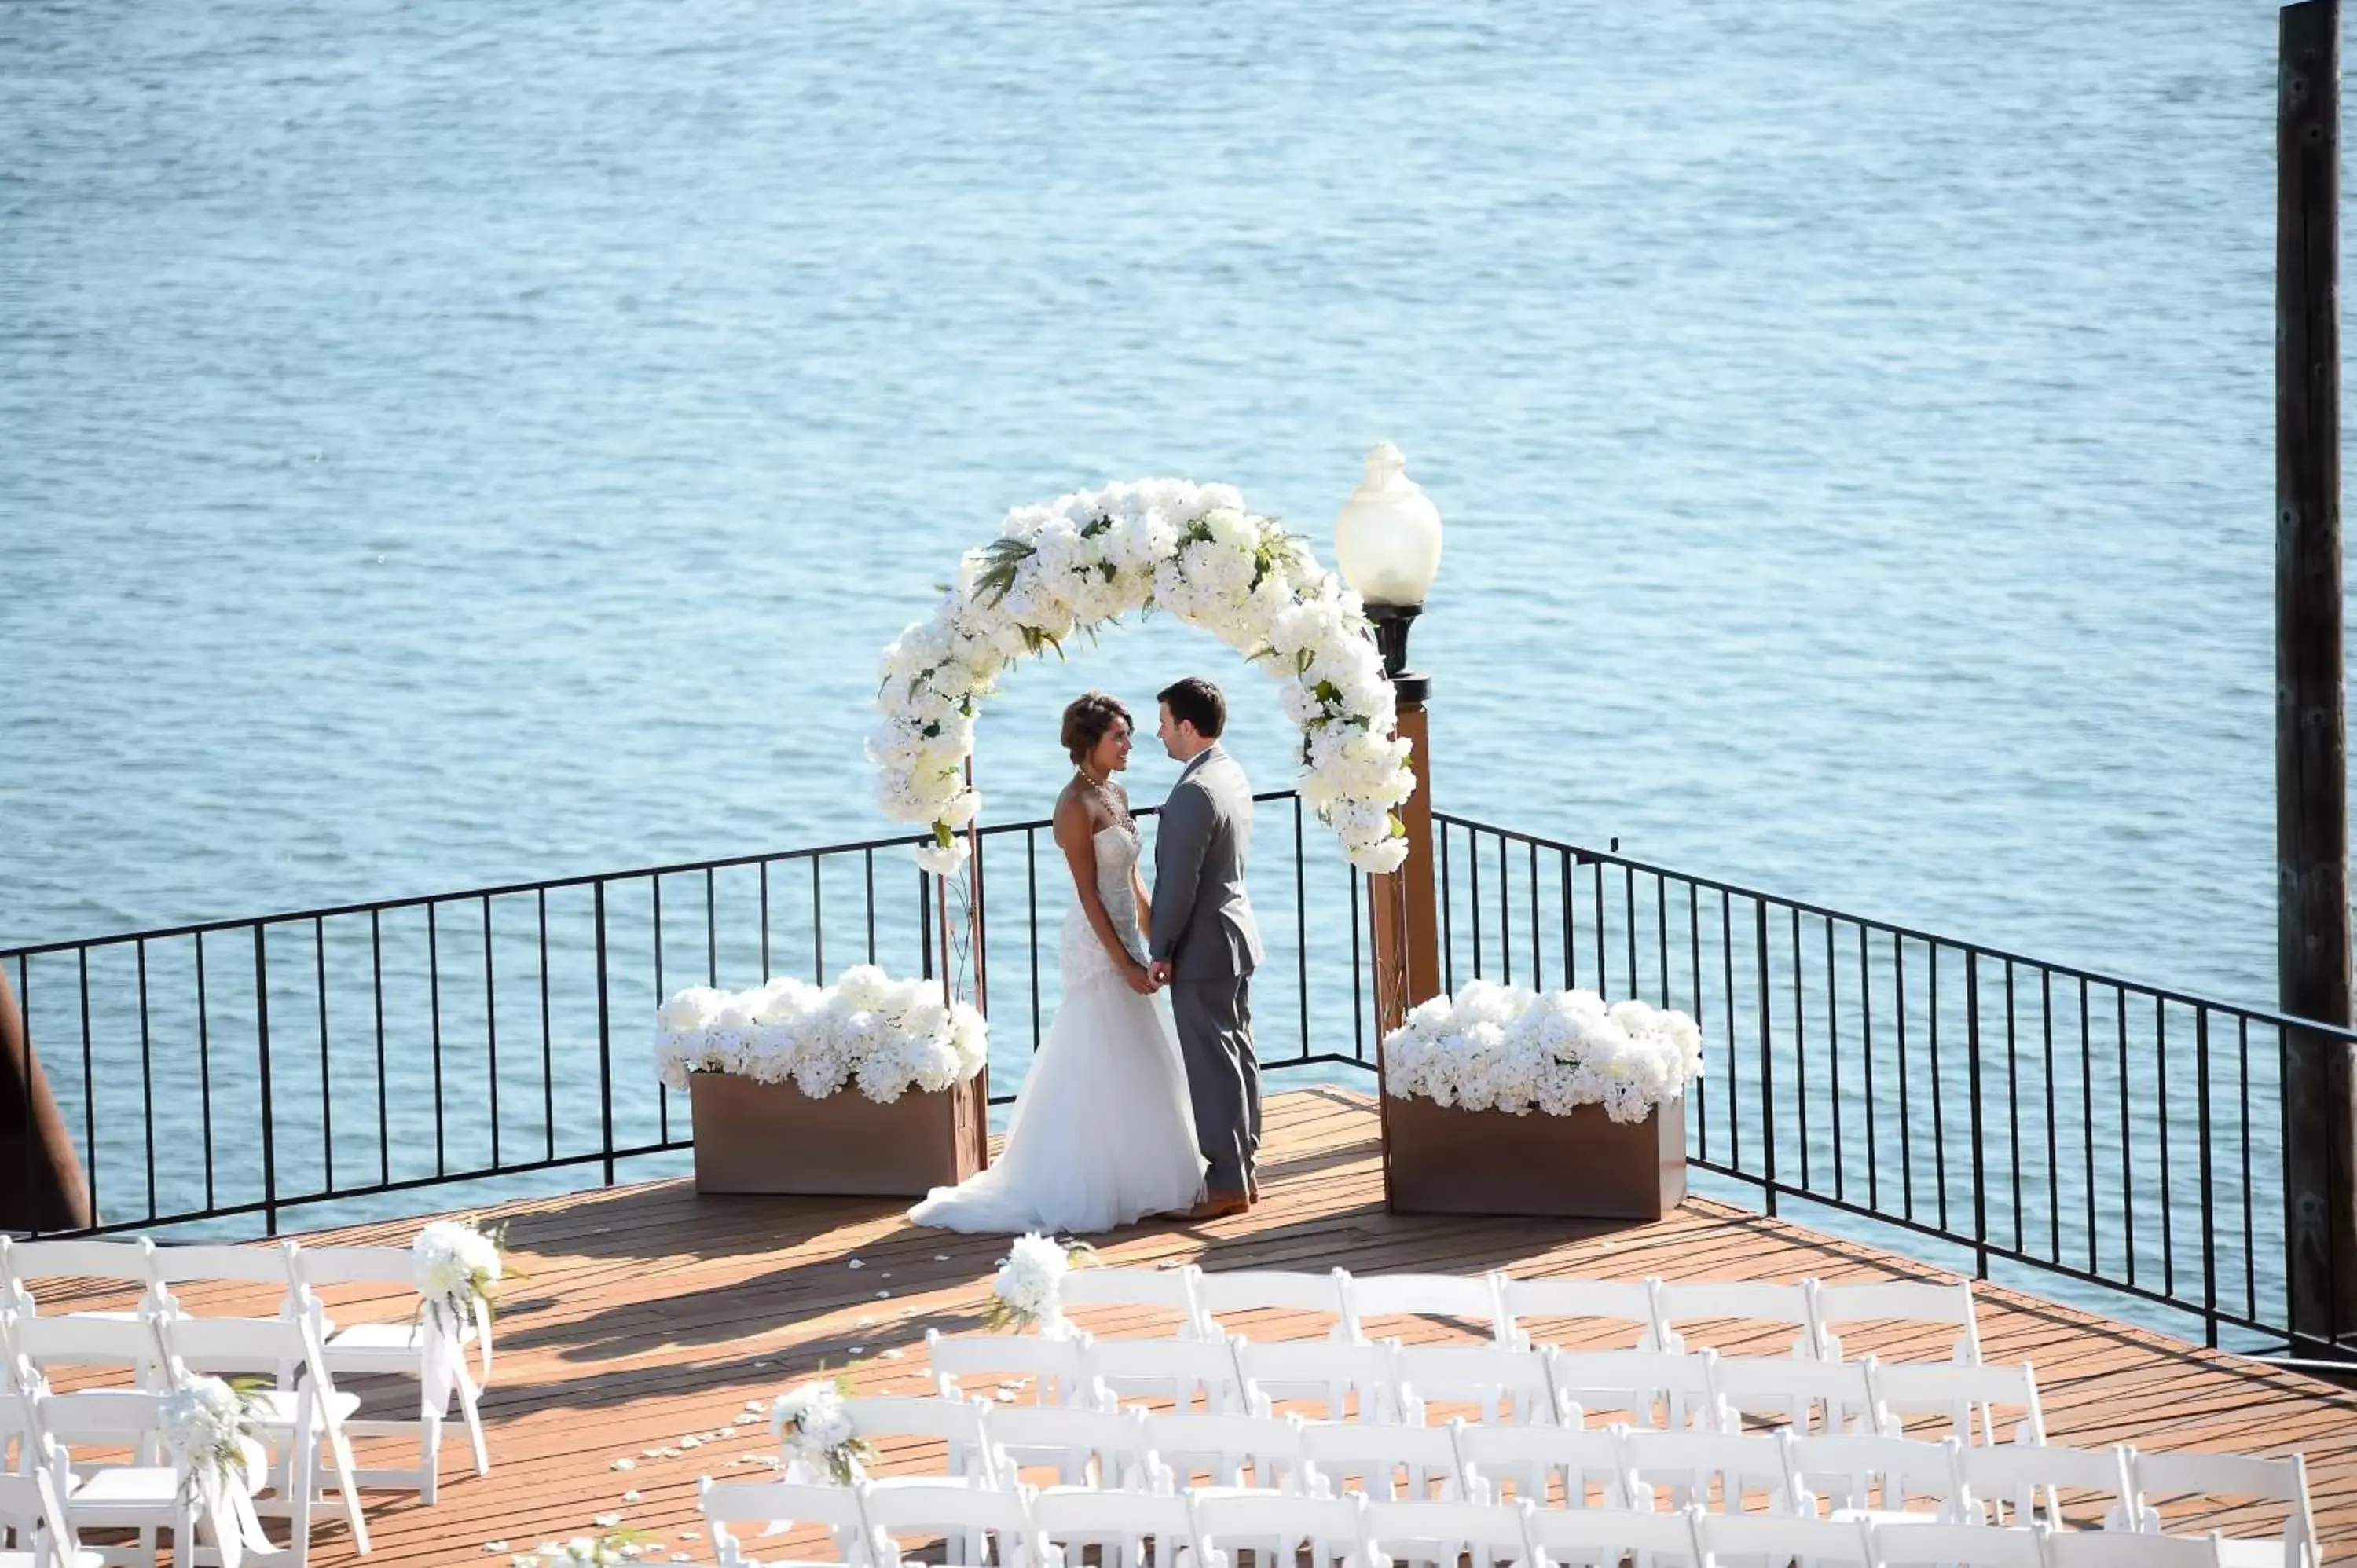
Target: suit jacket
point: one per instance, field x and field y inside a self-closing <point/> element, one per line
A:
<point x="1203" y="924"/>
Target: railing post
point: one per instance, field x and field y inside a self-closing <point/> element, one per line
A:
<point x="261" y="1048"/>
<point x="605" y="1040"/>
<point x="1973" y="1066"/>
<point x="1767" y="1063"/>
<point x="2202" y="1125"/>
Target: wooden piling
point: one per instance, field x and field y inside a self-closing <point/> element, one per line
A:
<point x="2314" y="960"/>
<point x="42" y="1186"/>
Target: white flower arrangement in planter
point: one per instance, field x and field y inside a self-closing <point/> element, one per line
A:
<point x="889" y="1036"/>
<point x="1509" y="1048"/>
<point x="1084" y="559"/>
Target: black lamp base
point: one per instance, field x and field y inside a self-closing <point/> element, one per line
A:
<point x="1391" y="623"/>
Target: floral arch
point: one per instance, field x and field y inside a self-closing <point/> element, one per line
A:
<point x="1089" y="558"/>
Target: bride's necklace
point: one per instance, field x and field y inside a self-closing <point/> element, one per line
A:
<point x="1103" y="791"/>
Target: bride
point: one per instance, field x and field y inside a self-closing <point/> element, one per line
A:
<point x="1102" y="1132"/>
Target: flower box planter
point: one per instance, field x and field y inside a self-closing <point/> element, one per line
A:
<point x="1443" y="1159"/>
<point x="772" y="1138"/>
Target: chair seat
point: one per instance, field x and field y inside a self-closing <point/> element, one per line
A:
<point x="2253" y="1553"/>
<point x="124" y="1486"/>
<point x="82" y="1557"/>
<point x="1885" y="1516"/>
<point x="276" y="1407"/>
<point x="382" y="1336"/>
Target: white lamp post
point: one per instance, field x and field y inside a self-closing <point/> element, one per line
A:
<point x="1388" y="541"/>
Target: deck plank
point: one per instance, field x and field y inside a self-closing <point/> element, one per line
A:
<point x="647" y="1314"/>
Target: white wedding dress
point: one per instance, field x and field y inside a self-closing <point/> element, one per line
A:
<point x="1103" y="1131"/>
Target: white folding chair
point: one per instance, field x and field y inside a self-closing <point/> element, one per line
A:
<point x="1810" y="1397"/>
<point x="304" y="1410"/>
<point x="1696" y="1466"/>
<point x="1898" y="1545"/>
<point x="897" y="1424"/>
<point x="1001" y="1519"/>
<point x="1165" y="1291"/>
<point x="1187" y="1375"/>
<point x="395" y="1349"/>
<point x="1968" y="1395"/>
<point x="1056" y="1369"/>
<point x="1343" y="1381"/>
<point x="1125" y="1525"/>
<point x="2181" y="1474"/>
<point x="1469" y="1300"/>
<point x="144" y="1495"/>
<point x="771" y="1507"/>
<point x="2002" y="1484"/>
<point x="1387" y="1464"/>
<point x="1626" y="1305"/>
<point x="33" y="1507"/>
<point x="1698" y="1303"/>
<point x="1881" y="1480"/>
<point x="1436" y="1534"/>
<point x="1106" y="1450"/>
<point x="1219" y="1449"/>
<point x="1774" y="1541"/>
<point x="1601" y="1538"/>
<point x="1276" y="1526"/>
<point x="1222" y="1297"/>
<point x="116" y="1344"/>
<point x="1504" y="1386"/>
<point x="1542" y="1463"/>
<point x="2131" y="1548"/>
<point x="1913" y="1303"/>
<point x="1653" y="1388"/>
<point x="892" y="1422"/>
<point x="112" y="1261"/>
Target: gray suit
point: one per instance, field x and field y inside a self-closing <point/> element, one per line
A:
<point x="1204" y="928"/>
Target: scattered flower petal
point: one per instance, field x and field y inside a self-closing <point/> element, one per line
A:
<point x="626" y="1464"/>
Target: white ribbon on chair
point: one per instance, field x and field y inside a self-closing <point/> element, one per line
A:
<point x="225" y="1502"/>
<point x="442" y="1358"/>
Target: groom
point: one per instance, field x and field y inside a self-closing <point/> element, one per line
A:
<point x="1206" y="943"/>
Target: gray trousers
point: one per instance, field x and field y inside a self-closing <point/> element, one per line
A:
<point x="1214" y="1019"/>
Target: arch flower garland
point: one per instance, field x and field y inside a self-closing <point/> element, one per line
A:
<point x="1084" y="559"/>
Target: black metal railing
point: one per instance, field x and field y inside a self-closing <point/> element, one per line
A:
<point x="224" y="1072"/>
<point x="2111" y="1141"/>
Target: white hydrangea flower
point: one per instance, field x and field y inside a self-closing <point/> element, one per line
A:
<point x="1509" y="1048"/>
<point x="887" y="1036"/>
<point x="1089" y="557"/>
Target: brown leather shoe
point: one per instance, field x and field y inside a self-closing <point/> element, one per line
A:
<point x="1219" y="1205"/>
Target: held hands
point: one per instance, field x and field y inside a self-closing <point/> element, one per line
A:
<point x="1141" y="977"/>
<point x="1158" y="972"/>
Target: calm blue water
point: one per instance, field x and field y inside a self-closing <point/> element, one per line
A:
<point x="444" y="444"/>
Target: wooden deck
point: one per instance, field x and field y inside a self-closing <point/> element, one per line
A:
<point x="648" y="1316"/>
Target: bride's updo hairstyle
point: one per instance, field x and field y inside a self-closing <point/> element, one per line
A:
<point x="1088" y="719"/>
